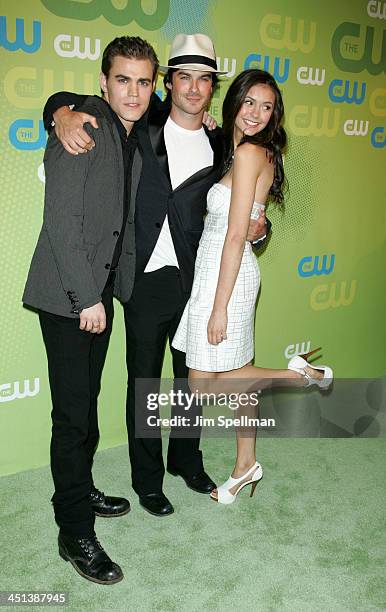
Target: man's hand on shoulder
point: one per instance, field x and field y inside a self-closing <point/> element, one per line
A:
<point x="69" y="130"/>
<point x="209" y="121"/>
<point x="93" y="319"/>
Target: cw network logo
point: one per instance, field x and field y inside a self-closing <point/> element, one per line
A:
<point x="223" y="65"/>
<point x="297" y="349"/>
<point x="12" y="391"/>
<point x="64" y="47"/>
<point x="314" y="121"/>
<point x="376" y="10"/>
<point x="29" y="87"/>
<point x="306" y="76"/>
<point x="277" y="32"/>
<point x="311" y="266"/>
<point x="378" y="137"/>
<point x="333" y="295"/>
<point x="131" y="11"/>
<point x="377" y="102"/>
<point x="353" y="127"/>
<point x="342" y="39"/>
<point x="339" y="94"/>
<point x="280" y="73"/>
<point x="20" y="42"/>
<point x="22" y="135"/>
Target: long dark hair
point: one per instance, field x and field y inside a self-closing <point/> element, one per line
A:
<point x="273" y="137"/>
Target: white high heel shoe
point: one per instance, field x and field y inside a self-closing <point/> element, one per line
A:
<point x="299" y="363"/>
<point x="224" y="496"/>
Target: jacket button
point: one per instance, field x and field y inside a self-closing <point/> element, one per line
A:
<point x="116" y="233"/>
<point x="107" y="266"/>
<point x="158" y="224"/>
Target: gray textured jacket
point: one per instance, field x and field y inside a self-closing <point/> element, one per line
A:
<point x="83" y="211"/>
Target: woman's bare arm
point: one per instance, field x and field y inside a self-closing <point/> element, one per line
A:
<point x="248" y="164"/>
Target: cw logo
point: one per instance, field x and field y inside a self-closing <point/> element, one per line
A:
<point x="280" y="78"/>
<point x="378" y="102"/>
<point x="224" y="66"/>
<point x="19" y="42"/>
<point x="353" y="127"/>
<point x="63" y="47"/>
<point x="378" y="137"/>
<point x="309" y="266"/>
<point x="21" y="133"/>
<point x="314" y="121"/>
<point x="26" y="87"/>
<point x="343" y="37"/>
<point x="376" y="10"/>
<point x="324" y="297"/>
<point x="11" y="391"/>
<point x="336" y="95"/>
<point x="276" y="36"/>
<point x="131" y="11"/>
<point x="305" y="76"/>
<point x="297" y="349"/>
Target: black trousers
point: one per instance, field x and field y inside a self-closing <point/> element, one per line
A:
<point x="75" y="363"/>
<point x="151" y="317"/>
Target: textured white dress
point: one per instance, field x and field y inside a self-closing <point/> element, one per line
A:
<point x="191" y="336"/>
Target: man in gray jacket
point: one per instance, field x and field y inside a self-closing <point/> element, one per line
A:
<point x="70" y="283"/>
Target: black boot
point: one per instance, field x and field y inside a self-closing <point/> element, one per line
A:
<point x="104" y="505"/>
<point x="89" y="559"/>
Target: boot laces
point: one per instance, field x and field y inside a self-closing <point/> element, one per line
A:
<point x="90" y="546"/>
<point x="97" y="495"/>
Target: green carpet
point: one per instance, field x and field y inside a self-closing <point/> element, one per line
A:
<point x="313" y="538"/>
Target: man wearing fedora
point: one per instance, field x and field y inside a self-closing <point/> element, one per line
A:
<point x="181" y="160"/>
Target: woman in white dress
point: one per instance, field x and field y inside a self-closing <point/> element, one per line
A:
<point x="217" y="328"/>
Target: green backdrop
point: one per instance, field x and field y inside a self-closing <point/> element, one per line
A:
<point x="322" y="273"/>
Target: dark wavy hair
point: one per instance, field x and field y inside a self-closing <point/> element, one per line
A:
<point x="273" y="137"/>
<point x="132" y="47"/>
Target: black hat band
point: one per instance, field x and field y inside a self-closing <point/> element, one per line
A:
<point x="192" y="59"/>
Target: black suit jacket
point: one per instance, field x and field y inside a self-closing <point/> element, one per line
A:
<point x="185" y="206"/>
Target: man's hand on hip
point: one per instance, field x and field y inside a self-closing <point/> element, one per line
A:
<point x="257" y="228"/>
<point x="93" y="319"/>
<point x="69" y="130"/>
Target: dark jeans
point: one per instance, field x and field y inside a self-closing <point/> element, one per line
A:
<point x="75" y="363"/>
<point x="151" y="317"/>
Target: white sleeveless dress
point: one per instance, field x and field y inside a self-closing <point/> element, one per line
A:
<point x="191" y="336"/>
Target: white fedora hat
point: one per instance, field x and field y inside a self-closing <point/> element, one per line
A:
<point x="192" y="52"/>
